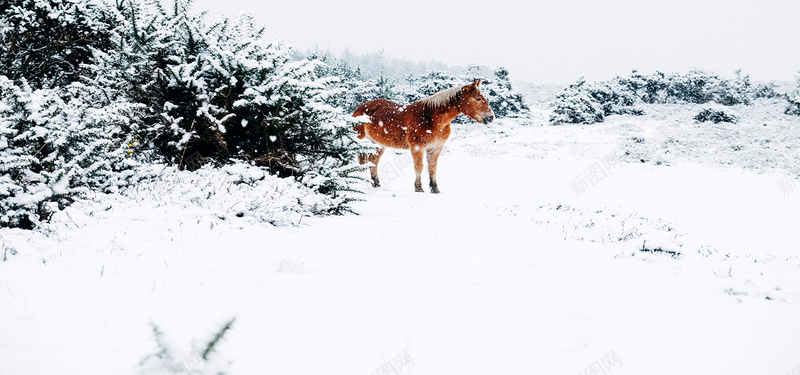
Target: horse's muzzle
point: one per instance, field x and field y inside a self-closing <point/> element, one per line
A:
<point x="488" y="119"/>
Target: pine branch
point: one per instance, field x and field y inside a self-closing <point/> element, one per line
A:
<point x="213" y="343"/>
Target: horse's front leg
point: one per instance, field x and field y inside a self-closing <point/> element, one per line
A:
<point x="433" y="157"/>
<point x="416" y="154"/>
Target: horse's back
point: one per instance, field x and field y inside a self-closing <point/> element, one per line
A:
<point x="388" y="123"/>
<point x="374" y="107"/>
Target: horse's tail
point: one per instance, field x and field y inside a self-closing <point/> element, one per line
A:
<point x="368" y="109"/>
<point x="360" y="130"/>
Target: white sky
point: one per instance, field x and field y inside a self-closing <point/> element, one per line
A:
<point x="547" y="41"/>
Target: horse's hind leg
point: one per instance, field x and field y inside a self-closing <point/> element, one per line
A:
<point x="433" y="158"/>
<point x="373" y="170"/>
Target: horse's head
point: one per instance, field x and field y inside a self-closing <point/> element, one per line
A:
<point x="474" y="105"/>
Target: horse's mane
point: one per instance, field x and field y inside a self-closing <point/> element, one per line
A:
<point x="446" y="97"/>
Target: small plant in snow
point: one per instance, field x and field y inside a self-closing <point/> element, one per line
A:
<point x="201" y="360"/>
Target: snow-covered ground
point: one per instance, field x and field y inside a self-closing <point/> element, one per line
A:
<point x="550" y="251"/>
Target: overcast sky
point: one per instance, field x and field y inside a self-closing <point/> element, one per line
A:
<point x="547" y="41"/>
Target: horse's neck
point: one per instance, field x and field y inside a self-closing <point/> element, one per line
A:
<point x="446" y="115"/>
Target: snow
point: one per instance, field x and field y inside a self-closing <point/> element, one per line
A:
<point x="530" y="261"/>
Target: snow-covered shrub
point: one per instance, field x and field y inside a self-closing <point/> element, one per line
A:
<point x="697" y="86"/>
<point x="50" y="42"/>
<point x="793" y="99"/>
<point x="716" y="116"/>
<point x="55" y="144"/>
<point x="614" y="100"/>
<point x="766" y="90"/>
<point x="793" y="107"/>
<point x="505" y="102"/>
<point x="647" y="88"/>
<point x="575" y="105"/>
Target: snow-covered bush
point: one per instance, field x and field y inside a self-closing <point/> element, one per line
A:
<point x="55" y="144"/>
<point x="700" y="87"/>
<point x="766" y="90"/>
<point x="716" y="116"/>
<point x="51" y="42"/>
<point x="575" y="105"/>
<point x="505" y="102"/>
<point x="793" y="99"/>
<point x="793" y="107"/>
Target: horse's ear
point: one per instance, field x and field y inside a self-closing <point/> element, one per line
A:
<point x="474" y="85"/>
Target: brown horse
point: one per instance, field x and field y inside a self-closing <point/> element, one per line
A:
<point x="421" y="127"/>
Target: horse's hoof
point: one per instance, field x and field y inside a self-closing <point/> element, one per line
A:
<point x="434" y="191"/>
<point x="418" y="189"/>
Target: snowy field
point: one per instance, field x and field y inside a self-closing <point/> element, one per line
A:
<point x="642" y="245"/>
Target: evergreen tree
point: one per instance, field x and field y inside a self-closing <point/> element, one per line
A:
<point x="54" y="145"/>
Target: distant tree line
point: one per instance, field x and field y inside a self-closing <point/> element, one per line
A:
<point x="361" y="87"/>
<point x="589" y="103"/>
